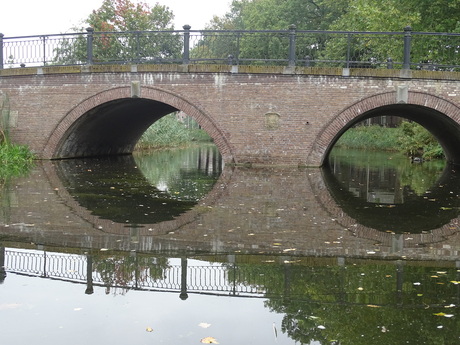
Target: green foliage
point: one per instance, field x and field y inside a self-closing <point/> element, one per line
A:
<point x="169" y="132"/>
<point x="133" y="45"/>
<point x="370" y="137"/>
<point x="410" y="138"/>
<point x="342" y="15"/>
<point x="15" y="160"/>
<point x="166" y="132"/>
<point x="416" y="141"/>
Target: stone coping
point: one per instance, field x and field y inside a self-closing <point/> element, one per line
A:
<point x="242" y="69"/>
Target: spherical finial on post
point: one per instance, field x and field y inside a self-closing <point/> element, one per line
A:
<point x="186" y="27"/>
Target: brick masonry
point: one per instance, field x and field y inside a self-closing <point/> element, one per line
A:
<point x="279" y="118"/>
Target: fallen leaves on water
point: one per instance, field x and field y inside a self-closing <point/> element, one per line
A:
<point x="149" y="329"/>
<point x="209" y="340"/>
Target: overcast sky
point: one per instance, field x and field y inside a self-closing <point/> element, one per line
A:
<point x="36" y="17"/>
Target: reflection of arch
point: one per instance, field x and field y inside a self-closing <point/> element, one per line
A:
<point x="106" y="226"/>
<point x="441" y="117"/>
<point x="407" y="241"/>
<point x="119" y="112"/>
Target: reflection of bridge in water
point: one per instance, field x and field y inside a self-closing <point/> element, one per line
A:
<point x="232" y="276"/>
<point x="271" y="211"/>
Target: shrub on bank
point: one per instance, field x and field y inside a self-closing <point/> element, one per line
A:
<point x="409" y="138"/>
<point x="168" y="132"/>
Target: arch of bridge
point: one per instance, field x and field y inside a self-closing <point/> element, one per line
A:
<point x="150" y="93"/>
<point x="333" y="129"/>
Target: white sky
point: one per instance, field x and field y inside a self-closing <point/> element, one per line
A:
<point x="36" y="17"/>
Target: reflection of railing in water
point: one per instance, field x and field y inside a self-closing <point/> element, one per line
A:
<point x="183" y="275"/>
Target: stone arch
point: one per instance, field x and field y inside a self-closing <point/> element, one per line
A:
<point x="440" y="116"/>
<point x="168" y="99"/>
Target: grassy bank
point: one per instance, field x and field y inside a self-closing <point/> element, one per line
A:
<point x="15" y="160"/>
<point x="409" y="138"/>
<point x="167" y="132"/>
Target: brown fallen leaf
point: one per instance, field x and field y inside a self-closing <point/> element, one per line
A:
<point x="209" y="340"/>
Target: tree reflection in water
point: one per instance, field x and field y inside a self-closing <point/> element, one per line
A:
<point x="386" y="192"/>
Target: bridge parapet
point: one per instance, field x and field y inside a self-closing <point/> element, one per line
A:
<point x="375" y="50"/>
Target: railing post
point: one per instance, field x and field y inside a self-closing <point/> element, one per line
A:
<point x="2" y="254"/>
<point x="89" y="46"/>
<point x="186" y="57"/>
<point x="1" y="50"/>
<point x="292" y="38"/>
<point x="407" y="47"/>
<point x="348" y="50"/>
<point x="183" y="279"/>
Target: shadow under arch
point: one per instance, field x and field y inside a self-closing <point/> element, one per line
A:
<point x="439" y="116"/>
<point x="112" y="121"/>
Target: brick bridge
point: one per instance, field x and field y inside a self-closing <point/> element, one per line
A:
<point x="262" y="115"/>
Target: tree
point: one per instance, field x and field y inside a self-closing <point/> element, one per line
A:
<point x="146" y="34"/>
<point x="394" y="15"/>
<point x="271" y="15"/>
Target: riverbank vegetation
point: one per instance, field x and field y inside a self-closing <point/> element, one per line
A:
<point x="15" y="160"/>
<point x="409" y="138"/>
<point x="168" y="132"/>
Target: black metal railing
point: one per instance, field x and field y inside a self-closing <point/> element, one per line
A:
<point x="401" y="50"/>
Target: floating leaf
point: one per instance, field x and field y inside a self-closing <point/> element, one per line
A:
<point x="204" y="325"/>
<point x="439" y="314"/>
<point x="456" y="282"/>
<point x="149" y="329"/>
<point x="9" y="306"/>
<point x="373" y="306"/>
<point x="289" y="250"/>
<point x="209" y="340"/>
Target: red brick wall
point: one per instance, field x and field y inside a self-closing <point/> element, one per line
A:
<point x="269" y="119"/>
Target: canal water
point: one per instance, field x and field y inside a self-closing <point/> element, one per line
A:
<point x="173" y="247"/>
